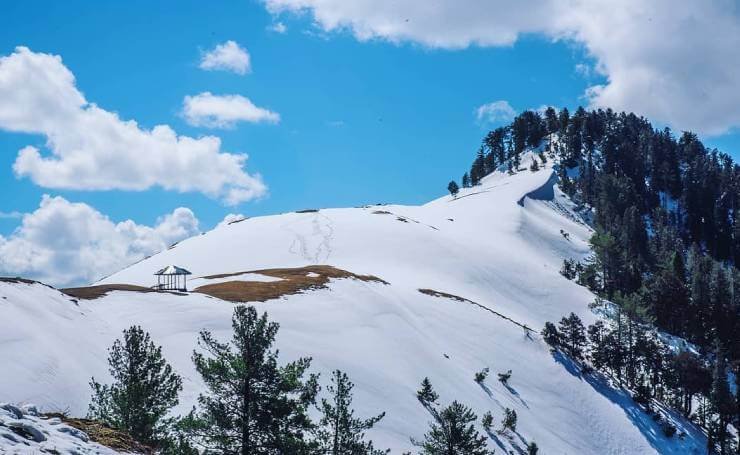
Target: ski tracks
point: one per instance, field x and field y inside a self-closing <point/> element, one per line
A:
<point x="313" y="234"/>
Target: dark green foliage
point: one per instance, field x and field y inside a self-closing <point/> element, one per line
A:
<point x="465" y="180"/>
<point x="551" y="335"/>
<point x="723" y="406"/>
<point x="487" y="421"/>
<point x="509" y="421"/>
<point x="453" y="188"/>
<point x="481" y="375"/>
<point x="688" y="376"/>
<point x="532" y="448"/>
<point x="453" y="433"/>
<point x="569" y="269"/>
<point x="666" y="250"/>
<point x="504" y="377"/>
<point x="340" y="432"/>
<point x="426" y="393"/>
<point x="143" y="390"/>
<point x="573" y="335"/>
<point x="654" y="196"/>
<point x="534" y="167"/>
<point x="253" y="406"/>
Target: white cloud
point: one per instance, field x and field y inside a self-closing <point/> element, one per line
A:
<point x="494" y="112"/>
<point x="94" y="149"/>
<point x="13" y="214"/>
<point x="228" y="56"/>
<point x="64" y="243"/>
<point x="671" y="61"/>
<point x="230" y="219"/>
<point x="278" y="27"/>
<point x="224" y="111"/>
<point x="584" y="69"/>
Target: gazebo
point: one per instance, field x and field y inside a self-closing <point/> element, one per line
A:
<point x="168" y="279"/>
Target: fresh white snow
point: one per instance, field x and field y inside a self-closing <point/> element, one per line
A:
<point x="500" y="244"/>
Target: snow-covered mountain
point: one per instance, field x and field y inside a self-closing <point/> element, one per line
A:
<point x="499" y="245"/>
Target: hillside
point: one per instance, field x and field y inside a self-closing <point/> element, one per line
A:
<point x="499" y="245"/>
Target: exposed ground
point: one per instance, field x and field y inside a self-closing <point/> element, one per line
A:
<point x="445" y="295"/>
<point x="292" y="281"/>
<point x="94" y="292"/>
<point x="7" y="279"/>
<point x="103" y="434"/>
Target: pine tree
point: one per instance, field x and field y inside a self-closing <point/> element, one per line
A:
<point x="509" y="422"/>
<point x="532" y="448"/>
<point x="426" y="393"/>
<point x="481" y="375"/>
<point x="477" y="170"/>
<point x="722" y="403"/>
<point x="551" y="335"/>
<point x="534" y="167"/>
<point x="143" y="390"/>
<point x="453" y="433"/>
<point x="598" y="347"/>
<point x="252" y="406"/>
<point x="466" y="180"/>
<point x="453" y="188"/>
<point x="487" y="421"/>
<point x="504" y="377"/>
<point x="573" y="336"/>
<point x="339" y="432"/>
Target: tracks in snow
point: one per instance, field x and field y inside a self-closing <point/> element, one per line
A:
<point x="313" y="235"/>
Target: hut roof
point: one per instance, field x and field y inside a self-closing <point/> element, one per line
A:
<point x="173" y="270"/>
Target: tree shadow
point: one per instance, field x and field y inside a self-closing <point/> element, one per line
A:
<point x="513" y="391"/>
<point x="497" y="438"/>
<point x="489" y="392"/>
<point x="639" y="418"/>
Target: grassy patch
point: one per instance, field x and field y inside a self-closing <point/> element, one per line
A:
<point x="94" y="292"/>
<point x="292" y="281"/>
<point x="104" y="435"/>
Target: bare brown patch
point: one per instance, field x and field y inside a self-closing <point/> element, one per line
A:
<point x="104" y="435"/>
<point x="445" y="295"/>
<point x="94" y="292"/>
<point x="293" y="281"/>
<point x="17" y="279"/>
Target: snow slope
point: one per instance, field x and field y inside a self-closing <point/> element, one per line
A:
<point x="499" y="244"/>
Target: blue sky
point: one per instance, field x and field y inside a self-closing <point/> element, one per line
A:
<point x="385" y="119"/>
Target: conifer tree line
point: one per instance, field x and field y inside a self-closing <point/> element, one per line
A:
<point x="665" y="209"/>
<point x="666" y="248"/>
<point x="631" y="354"/>
<point x="252" y="405"/>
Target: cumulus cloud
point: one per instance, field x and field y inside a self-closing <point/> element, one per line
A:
<point x="224" y="111"/>
<point x="94" y="149"/>
<point x="65" y="243"/>
<point x="230" y="219"/>
<point x="494" y="112"/>
<point x="278" y="27"/>
<point x="228" y="56"/>
<point x="671" y="61"/>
